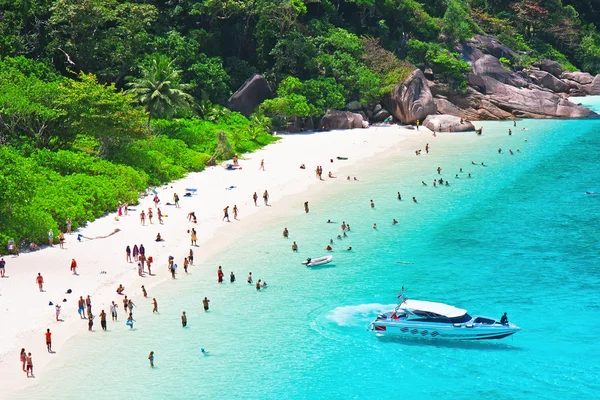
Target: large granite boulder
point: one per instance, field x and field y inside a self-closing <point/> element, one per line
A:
<point x="411" y="100"/>
<point x="551" y="67"/>
<point x="250" y="95"/>
<point x="335" y="119"/>
<point x="490" y="66"/>
<point x="492" y="46"/>
<point x="447" y="123"/>
<point x="583" y="78"/>
<point x="473" y="106"/>
<point x="548" y="81"/>
<point x="594" y="87"/>
<point x="532" y="103"/>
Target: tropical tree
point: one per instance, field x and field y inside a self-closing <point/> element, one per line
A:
<point x="159" y="89"/>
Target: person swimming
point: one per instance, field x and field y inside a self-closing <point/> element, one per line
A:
<point x="394" y="222"/>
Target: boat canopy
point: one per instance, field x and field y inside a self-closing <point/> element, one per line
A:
<point x="431" y="307"/>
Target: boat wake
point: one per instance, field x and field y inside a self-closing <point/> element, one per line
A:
<point x="357" y="315"/>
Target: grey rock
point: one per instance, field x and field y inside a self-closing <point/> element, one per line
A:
<point x="381" y="115"/>
<point x="447" y="123"/>
<point x="335" y="119"/>
<point x="594" y="88"/>
<point x="411" y="100"/>
<point x="354" y="106"/>
<point x="548" y="81"/>
<point x="491" y="45"/>
<point x="428" y="74"/>
<point x="583" y="78"/>
<point x="489" y="66"/>
<point x="551" y="67"/>
<point x="250" y="95"/>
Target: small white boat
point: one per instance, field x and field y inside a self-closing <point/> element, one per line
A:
<point x="426" y="319"/>
<point x="313" y="262"/>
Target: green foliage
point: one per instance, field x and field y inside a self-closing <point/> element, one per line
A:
<point x="456" y="24"/>
<point x="448" y="65"/>
<point x="209" y="76"/>
<point x="159" y="88"/>
<point x="505" y="62"/>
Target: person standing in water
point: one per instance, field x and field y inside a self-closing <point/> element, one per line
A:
<point x="151" y="359"/>
<point x="249" y="277"/>
<point x="220" y="275"/>
<point x="113" y="311"/>
<point x="205" y="302"/>
<point x="154" y="305"/>
<point x="286" y="233"/>
<point x="294" y="247"/>
<point x="231" y="277"/>
<point x="183" y="320"/>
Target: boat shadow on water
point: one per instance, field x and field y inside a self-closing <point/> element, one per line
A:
<point x="492" y="345"/>
<point x="322" y="266"/>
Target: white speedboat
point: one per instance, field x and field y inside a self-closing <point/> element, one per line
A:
<point x="313" y="262"/>
<point x="426" y="319"/>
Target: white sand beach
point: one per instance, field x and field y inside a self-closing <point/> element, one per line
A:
<point x="25" y="313"/>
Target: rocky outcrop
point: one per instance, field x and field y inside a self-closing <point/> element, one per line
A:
<point x="411" y="100"/>
<point x="335" y="119"/>
<point x="548" y="81"/>
<point x="250" y="95"/>
<point x="594" y="87"/>
<point x="488" y="45"/>
<point x="490" y="66"/>
<point x="582" y="78"/>
<point x="551" y="67"/>
<point x="447" y="123"/>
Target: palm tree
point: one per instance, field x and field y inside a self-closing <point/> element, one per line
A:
<point x="159" y="89"/>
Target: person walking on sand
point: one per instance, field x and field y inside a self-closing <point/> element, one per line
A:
<point x="262" y="165"/>
<point x="151" y="359"/>
<point x="40" y="281"/>
<point x="255" y="198"/>
<point x="205" y="302"/>
<point x="226" y="214"/>
<point x="183" y="319"/>
<point x="159" y="215"/>
<point x="113" y="311"/>
<point x="235" y="212"/>
<point x="176" y="200"/>
<point x="50" y="238"/>
<point x="90" y="322"/>
<point x="144" y="293"/>
<point x="68" y="226"/>
<point x="49" y="340"/>
<point x="29" y="362"/>
<point x="61" y="240"/>
<point x="103" y="320"/>
<point x="194" y="237"/>
<point x="185" y="264"/>
<point x="73" y="266"/>
<point x="143" y="218"/>
<point x="150" y="215"/>
<point x="155" y="305"/>
<point x="191" y="257"/>
<point x="266" y="198"/>
<point x="81" y="307"/>
<point x="128" y="254"/>
<point x="220" y="275"/>
<point x="23" y="358"/>
<point x="417" y="124"/>
<point x="2" y="267"/>
<point x="306" y="207"/>
<point x="427" y="148"/>
<point x="156" y="200"/>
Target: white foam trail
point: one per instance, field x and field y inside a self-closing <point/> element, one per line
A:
<point x="357" y="315"/>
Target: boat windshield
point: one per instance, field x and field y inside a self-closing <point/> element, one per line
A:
<point x="433" y="317"/>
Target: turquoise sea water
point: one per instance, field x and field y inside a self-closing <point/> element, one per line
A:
<point x="520" y="236"/>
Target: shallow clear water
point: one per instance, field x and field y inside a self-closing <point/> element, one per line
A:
<point x="520" y="236"/>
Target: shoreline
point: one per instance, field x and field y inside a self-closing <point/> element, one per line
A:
<point x="283" y="179"/>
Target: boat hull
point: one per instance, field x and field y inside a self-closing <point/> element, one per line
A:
<point x="444" y="331"/>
